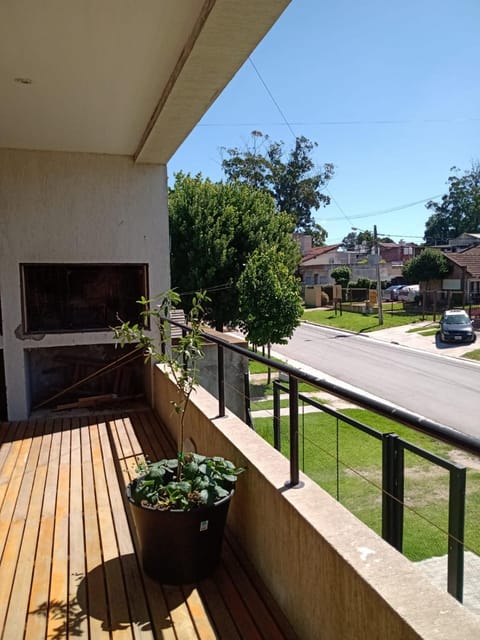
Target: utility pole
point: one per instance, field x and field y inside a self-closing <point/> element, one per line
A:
<point x="379" y="282"/>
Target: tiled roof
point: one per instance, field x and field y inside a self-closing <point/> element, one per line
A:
<point x="317" y="251"/>
<point x="470" y="259"/>
<point x="392" y="245"/>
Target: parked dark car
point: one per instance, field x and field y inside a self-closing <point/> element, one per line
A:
<point x="456" y="326"/>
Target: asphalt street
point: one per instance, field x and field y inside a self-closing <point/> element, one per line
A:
<point x="407" y="369"/>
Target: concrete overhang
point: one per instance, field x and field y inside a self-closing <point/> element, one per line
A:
<point x="120" y="77"/>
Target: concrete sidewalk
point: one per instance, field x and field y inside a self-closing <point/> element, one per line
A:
<point x="405" y="337"/>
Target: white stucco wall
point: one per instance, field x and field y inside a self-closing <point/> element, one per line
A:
<point x="73" y="208"/>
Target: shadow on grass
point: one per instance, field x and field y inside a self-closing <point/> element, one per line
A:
<point x="260" y="390"/>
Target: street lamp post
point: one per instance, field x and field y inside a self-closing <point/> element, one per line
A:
<point x="379" y="282"/>
<point x="377" y="268"/>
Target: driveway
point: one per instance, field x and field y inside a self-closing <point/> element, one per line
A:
<point x="404" y="337"/>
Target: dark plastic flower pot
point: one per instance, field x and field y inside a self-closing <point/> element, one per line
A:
<point x="180" y="547"/>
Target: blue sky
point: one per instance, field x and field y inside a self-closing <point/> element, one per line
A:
<point x="390" y="91"/>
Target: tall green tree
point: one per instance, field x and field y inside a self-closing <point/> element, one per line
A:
<point x="269" y="296"/>
<point x="289" y="177"/>
<point x="341" y="275"/>
<point x="459" y="210"/>
<point x="214" y="228"/>
<point x="431" y="264"/>
<point x="357" y="238"/>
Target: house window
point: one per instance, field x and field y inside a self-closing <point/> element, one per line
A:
<point x="315" y="278"/>
<point x="79" y="297"/>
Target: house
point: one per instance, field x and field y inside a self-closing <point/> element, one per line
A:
<point x="96" y="97"/>
<point x="95" y="100"/>
<point x="318" y="263"/>
<point x="398" y="252"/>
<point x="461" y="242"/>
<point x="465" y="274"/>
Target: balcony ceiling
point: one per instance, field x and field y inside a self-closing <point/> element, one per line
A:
<point x="118" y="76"/>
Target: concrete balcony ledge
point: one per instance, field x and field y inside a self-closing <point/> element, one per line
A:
<point x="331" y="575"/>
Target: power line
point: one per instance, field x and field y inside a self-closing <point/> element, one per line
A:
<point x="385" y="211"/>
<point x="333" y="123"/>
<point x="347" y="218"/>
<point x="212" y="289"/>
<point x="272" y="98"/>
<point x="287" y="123"/>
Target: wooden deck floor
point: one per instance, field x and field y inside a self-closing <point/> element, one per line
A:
<point x="68" y="562"/>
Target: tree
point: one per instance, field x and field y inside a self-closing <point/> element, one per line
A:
<point x="350" y="241"/>
<point x="292" y="180"/>
<point x="270" y="301"/>
<point x="459" y="210"/>
<point x="342" y="276"/>
<point x="355" y="239"/>
<point x="429" y="265"/>
<point x="214" y="228"/>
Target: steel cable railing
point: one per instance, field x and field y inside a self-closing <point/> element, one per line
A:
<point x="393" y="447"/>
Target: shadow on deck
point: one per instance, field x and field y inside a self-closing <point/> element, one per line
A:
<point x="68" y="561"/>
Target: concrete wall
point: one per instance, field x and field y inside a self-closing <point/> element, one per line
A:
<point x="333" y="577"/>
<point x="313" y="295"/>
<point x="73" y="208"/>
<point x="235" y="367"/>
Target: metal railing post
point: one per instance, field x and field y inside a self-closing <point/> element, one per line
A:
<point x="456" y="532"/>
<point x="221" y="381"/>
<point x="246" y="396"/>
<point x="392" y="490"/>
<point x="276" y="416"/>
<point x="184" y="363"/>
<point x="293" y="403"/>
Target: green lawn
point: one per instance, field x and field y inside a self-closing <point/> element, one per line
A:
<point x="267" y="405"/>
<point x="426" y="330"/>
<point x="472" y="355"/>
<point x="363" y="323"/>
<point x="359" y="477"/>
<point x="260" y="389"/>
<point x="355" y="480"/>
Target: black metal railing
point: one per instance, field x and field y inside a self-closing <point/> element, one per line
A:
<point x="393" y="480"/>
<point x="393" y="447"/>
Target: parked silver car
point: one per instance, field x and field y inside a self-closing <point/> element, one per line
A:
<point x="391" y="292"/>
<point x="409" y="293"/>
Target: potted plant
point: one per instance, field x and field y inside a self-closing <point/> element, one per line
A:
<point x="179" y="505"/>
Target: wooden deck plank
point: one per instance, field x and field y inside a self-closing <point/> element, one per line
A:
<point x="13" y="517"/>
<point x="235" y="604"/>
<point x="68" y="549"/>
<point x="119" y="623"/>
<point x="258" y="602"/>
<point x="58" y="596"/>
<point x="10" y="479"/>
<point x="28" y="511"/>
<point x="9" y="433"/>
<point x="76" y="546"/>
<point x="134" y="587"/>
<point x="219" y="614"/>
<point x="125" y="441"/>
<point x="183" y="617"/>
<point x="202" y="622"/>
<point x="38" y="606"/>
<point x="93" y="595"/>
